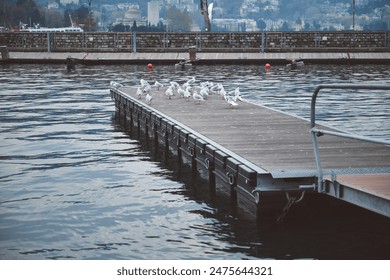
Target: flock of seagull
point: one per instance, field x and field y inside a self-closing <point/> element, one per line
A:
<point x="189" y="89"/>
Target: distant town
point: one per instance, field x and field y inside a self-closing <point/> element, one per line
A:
<point x="186" y="15"/>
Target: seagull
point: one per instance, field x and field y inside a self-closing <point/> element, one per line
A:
<point x="174" y="84"/>
<point x="139" y="93"/>
<point x="191" y="81"/>
<point x="147" y="88"/>
<point x="234" y="95"/>
<point x="204" y="92"/>
<point x="114" y="84"/>
<point x="222" y="91"/>
<point x="232" y="103"/>
<point x="187" y="93"/>
<point x="216" y="88"/>
<point x="237" y="94"/>
<point x="148" y="98"/>
<point x="230" y="100"/>
<point x="197" y="97"/>
<point x="169" y="92"/>
<point x="181" y="92"/>
<point x="144" y="83"/>
<point x="157" y="84"/>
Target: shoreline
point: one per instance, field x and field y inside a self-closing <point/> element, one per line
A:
<point x="199" y="58"/>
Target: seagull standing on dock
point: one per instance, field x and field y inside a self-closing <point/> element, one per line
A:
<point x="139" y="93"/>
<point x="197" y="97"/>
<point x="237" y="94"/>
<point x="204" y="92"/>
<point x="147" y="88"/>
<point x="234" y="95"/>
<point x="115" y="85"/>
<point x="174" y="84"/>
<point x="144" y="83"/>
<point x="181" y="92"/>
<point x="169" y="92"/>
<point x="187" y="94"/>
<point x="231" y="100"/>
<point x="191" y="81"/>
<point x="148" y="98"/>
<point x="158" y="85"/>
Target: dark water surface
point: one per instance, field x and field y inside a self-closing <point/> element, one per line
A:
<point x="74" y="185"/>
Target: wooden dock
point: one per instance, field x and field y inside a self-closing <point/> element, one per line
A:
<point x="255" y="153"/>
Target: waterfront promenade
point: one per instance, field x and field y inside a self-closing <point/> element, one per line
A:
<point x="200" y="58"/>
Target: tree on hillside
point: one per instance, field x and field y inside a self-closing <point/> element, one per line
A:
<point x="27" y="12"/>
<point x="80" y="17"/>
<point x="178" y="21"/>
<point x="261" y="24"/>
<point x="52" y="18"/>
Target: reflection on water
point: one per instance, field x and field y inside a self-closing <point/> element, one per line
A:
<point x="74" y="185"/>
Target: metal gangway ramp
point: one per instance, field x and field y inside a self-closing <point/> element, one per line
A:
<point x="368" y="187"/>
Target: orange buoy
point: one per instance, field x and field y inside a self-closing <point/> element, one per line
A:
<point x="267" y="66"/>
<point x="150" y="66"/>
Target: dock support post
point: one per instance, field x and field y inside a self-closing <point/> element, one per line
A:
<point x="147" y="133"/>
<point x="138" y="126"/>
<point x="155" y="138"/>
<point x="179" y="153"/>
<point x="212" y="178"/>
<point x="4" y="53"/>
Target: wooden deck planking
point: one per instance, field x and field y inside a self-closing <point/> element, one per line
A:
<point x="269" y="139"/>
<point x="376" y="184"/>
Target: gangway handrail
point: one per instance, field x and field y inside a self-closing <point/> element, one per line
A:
<point x="316" y="132"/>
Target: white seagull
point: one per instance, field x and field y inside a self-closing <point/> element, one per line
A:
<point x="174" y="84"/>
<point x="147" y="88"/>
<point x="157" y="84"/>
<point x="144" y="83"/>
<point x="148" y="98"/>
<point x="181" y="92"/>
<point x="230" y="100"/>
<point x="114" y="84"/>
<point x="187" y="94"/>
<point x="169" y="92"/>
<point x="139" y="93"/>
<point x="197" y="97"/>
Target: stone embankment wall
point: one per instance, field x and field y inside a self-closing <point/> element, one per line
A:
<point x="207" y="42"/>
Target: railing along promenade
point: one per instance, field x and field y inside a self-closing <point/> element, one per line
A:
<point x="310" y="41"/>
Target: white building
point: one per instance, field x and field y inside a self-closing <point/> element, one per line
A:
<point x="66" y="2"/>
<point x="131" y="16"/>
<point x="153" y="12"/>
<point x="235" y="25"/>
<point x="53" y="6"/>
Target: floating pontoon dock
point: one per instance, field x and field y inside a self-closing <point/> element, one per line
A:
<point x="253" y="152"/>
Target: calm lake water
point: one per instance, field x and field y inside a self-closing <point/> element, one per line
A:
<point x="74" y="185"/>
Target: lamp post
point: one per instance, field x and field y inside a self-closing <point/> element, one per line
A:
<point x="353" y="15"/>
<point x="89" y="15"/>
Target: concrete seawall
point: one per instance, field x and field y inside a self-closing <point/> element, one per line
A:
<point x="344" y="47"/>
<point x="202" y="58"/>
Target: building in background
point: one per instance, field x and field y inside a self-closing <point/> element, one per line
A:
<point x="132" y="17"/>
<point x="66" y="2"/>
<point x="153" y="12"/>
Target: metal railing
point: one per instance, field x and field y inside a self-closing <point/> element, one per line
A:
<point x="316" y="132"/>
